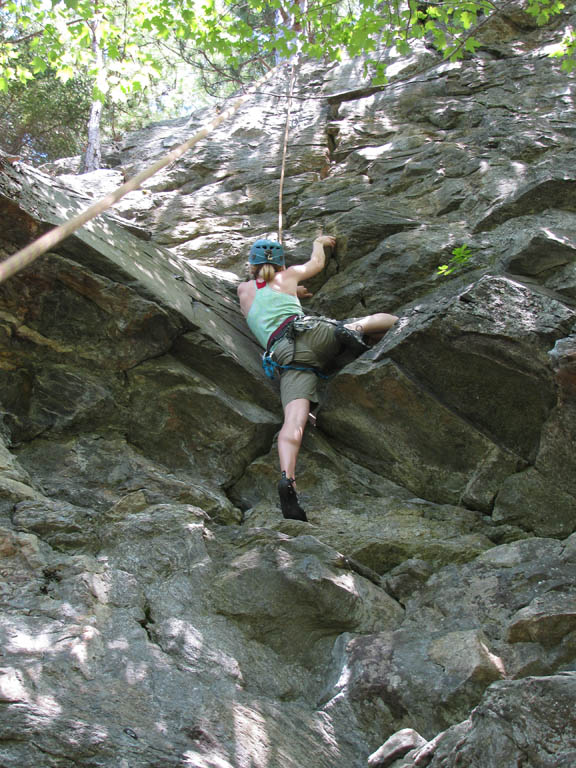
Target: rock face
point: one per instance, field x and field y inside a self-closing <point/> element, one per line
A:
<point x="156" y="608"/>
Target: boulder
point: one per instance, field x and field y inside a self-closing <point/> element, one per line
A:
<point x="516" y="718"/>
<point x="431" y="436"/>
<point x="396" y="747"/>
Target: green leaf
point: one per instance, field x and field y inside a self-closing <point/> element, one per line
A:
<point x="403" y="47"/>
<point x="316" y="51"/>
<point x="98" y="95"/>
<point x="379" y="79"/>
<point x="460" y="256"/>
<point x="358" y="39"/>
<point x="472" y="44"/>
<point x="24" y="74"/>
<point x="467" y="19"/>
<point x="64" y="73"/>
<point x="188" y="16"/>
<point x="38" y="65"/>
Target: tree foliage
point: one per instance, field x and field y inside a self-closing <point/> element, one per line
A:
<point x="60" y="33"/>
<point x="50" y="76"/>
<point x="121" y="49"/>
<point x="44" y="119"/>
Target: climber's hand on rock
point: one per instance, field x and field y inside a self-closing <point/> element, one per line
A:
<point x="326" y="240"/>
<point x="303" y="293"/>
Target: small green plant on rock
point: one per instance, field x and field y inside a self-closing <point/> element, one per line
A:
<point x="460" y="256"/>
<point x="567" y="51"/>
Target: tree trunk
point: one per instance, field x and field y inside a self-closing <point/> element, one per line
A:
<point x="93" y="154"/>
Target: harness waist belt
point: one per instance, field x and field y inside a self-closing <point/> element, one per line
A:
<point x="280" y="331"/>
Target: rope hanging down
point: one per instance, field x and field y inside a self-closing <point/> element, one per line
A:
<point x="284" y="154"/>
<point x="31" y="252"/>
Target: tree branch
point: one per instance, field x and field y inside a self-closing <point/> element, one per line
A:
<point x="498" y="10"/>
<point x="41" y="32"/>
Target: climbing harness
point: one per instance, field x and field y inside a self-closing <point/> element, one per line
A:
<point x="50" y="239"/>
<point x="270" y="366"/>
<point x="284" y="329"/>
<point x="289" y="328"/>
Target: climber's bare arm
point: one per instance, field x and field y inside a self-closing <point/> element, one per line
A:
<point x="246" y="292"/>
<point x="289" y="278"/>
<point x="316" y="261"/>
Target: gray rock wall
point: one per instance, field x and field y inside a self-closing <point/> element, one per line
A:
<point x="157" y="610"/>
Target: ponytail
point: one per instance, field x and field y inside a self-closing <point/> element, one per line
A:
<point x="267" y="272"/>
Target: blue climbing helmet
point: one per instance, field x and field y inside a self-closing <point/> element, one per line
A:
<point x="267" y="252"/>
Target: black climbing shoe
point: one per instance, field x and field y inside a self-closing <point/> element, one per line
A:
<point x="289" y="500"/>
<point x="351" y="339"/>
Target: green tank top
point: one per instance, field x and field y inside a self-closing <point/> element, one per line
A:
<point x="269" y="309"/>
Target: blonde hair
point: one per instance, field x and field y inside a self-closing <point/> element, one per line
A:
<point x="264" y="272"/>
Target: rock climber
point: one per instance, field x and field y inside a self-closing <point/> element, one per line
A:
<point x="297" y="345"/>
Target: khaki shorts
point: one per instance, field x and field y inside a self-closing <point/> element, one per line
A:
<point x="314" y="347"/>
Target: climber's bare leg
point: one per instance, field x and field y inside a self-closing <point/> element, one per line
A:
<point x="378" y="323"/>
<point x="374" y="326"/>
<point x="291" y="434"/>
<point x="289" y="441"/>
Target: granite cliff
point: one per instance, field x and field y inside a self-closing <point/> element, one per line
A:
<point x="157" y="610"/>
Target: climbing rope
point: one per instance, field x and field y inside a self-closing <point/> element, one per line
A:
<point x="285" y="153"/>
<point x="31" y="252"/>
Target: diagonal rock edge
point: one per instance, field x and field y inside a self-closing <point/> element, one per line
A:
<point x="77" y="569"/>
